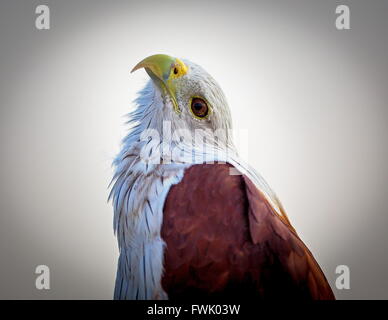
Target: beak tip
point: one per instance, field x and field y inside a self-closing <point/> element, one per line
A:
<point x="135" y="68"/>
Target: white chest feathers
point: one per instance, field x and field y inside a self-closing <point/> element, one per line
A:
<point x="138" y="196"/>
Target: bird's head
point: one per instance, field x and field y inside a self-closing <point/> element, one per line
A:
<point x="186" y="95"/>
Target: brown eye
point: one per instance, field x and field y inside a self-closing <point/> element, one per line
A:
<point x="199" y="107"/>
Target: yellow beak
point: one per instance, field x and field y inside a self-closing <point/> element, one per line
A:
<point x="163" y="69"/>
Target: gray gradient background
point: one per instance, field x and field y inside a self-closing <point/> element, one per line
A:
<point x="313" y="98"/>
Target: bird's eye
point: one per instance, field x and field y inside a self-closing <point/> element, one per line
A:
<point x="199" y="107"/>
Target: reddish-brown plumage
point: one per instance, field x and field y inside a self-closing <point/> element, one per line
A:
<point x="225" y="240"/>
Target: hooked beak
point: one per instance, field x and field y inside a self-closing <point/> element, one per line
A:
<point x="163" y="69"/>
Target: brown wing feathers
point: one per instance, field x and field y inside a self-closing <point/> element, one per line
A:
<point x="223" y="239"/>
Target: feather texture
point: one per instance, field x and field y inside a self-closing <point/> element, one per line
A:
<point x="224" y="239"/>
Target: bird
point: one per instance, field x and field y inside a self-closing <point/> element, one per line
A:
<point x="192" y="218"/>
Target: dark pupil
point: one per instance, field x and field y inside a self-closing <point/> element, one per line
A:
<point x="198" y="106"/>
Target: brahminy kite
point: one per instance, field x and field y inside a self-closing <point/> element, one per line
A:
<point x="191" y="218"/>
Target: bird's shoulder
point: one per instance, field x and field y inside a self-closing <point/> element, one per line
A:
<point x="218" y="191"/>
<point x="221" y="230"/>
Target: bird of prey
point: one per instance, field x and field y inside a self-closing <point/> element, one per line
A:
<point x="191" y="218"/>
